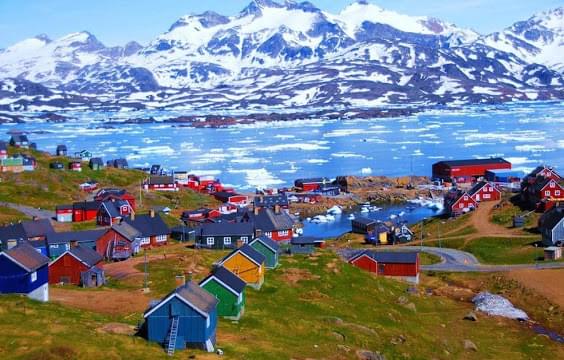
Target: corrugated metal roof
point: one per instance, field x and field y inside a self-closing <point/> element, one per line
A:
<point x="149" y="226"/>
<point x="86" y="255"/>
<point x="127" y="231"/>
<point x="228" y="278"/>
<point x="471" y="162"/>
<point x="197" y="296"/>
<point x="268" y="242"/>
<point x="80" y="236"/>
<point x="226" y="229"/>
<point x="27" y="256"/>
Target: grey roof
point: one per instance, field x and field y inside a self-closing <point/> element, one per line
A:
<point x="268" y="220"/>
<point x="61" y="147"/>
<point x="477" y="187"/>
<point x="393" y="257"/>
<point x="27" y="256"/>
<point x="86" y="255"/>
<point x="26" y="229"/>
<point x="271" y="200"/>
<point x="96" y="161"/>
<point x="161" y="180"/>
<point x="471" y="162"/>
<point x="63" y="207"/>
<point x="551" y="218"/>
<point x="193" y="294"/>
<point x="268" y="242"/>
<point x="226" y="229"/>
<point x="87" y="205"/>
<point x="228" y="278"/>
<point x="363" y="221"/>
<point x="127" y="231"/>
<point x="79" y="236"/>
<point x="148" y="226"/>
<point x="20" y="138"/>
<point x="303" y="240"/>
<point x="248" y="251"/>
<point x="224" y="195"/>
<point x="112" y="208"/>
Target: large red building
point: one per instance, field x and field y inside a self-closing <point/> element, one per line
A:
<point x="462" y="171"/>
<point x="396" y="264"/>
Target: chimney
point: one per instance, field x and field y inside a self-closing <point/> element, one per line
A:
<point x="132" y="215"/>
<point x="277" y="209"/>
<point x="152" y="213"/>
<point x="256" y="210"/>
<point x="180" y="280"/>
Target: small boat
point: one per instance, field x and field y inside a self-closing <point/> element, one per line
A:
<point x="393" y="216"/>
<point x="364" y="209"/>
<point x="351" y="217"/>
<point x="375" y="208"/>
<point x="330" y="217"/>
<point x="401" y="213"/>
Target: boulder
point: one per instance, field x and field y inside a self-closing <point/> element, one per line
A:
<point x="471" y="316"/>
<point x="369" y="355"/>
<point x="470" y="346"/>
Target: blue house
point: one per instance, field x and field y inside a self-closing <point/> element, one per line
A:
<point x="187" y="317"/>
<point x="23" y="270"/>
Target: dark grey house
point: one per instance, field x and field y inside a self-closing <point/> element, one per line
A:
<point x="224" y="235"/>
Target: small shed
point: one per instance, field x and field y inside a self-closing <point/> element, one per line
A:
<point x="363" y="225"/>
<point x="64" y="213"/>
<point x="96" y="163"/>
<point x="269" y="248"/>
<point x="57" y="165"/>
<point x="552" y="253"/>
<point x="187" y="317"/>
<point x="61" y="150"/>
<point x="93" y="277"/>
<point x="75" y="165"/>
<point x="302" y="245"/>
<point x="229" y="289"/>
<point x="69" y="267"/>
<point x="247" y="263"/>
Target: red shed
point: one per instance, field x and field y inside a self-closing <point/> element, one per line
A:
<point x="64" y="213"/>
<point x="395" y="264"/>
<point x="312" y="184"/>
<point x="85" y="211"/>
<point x="232" y="198"/>
<point x="75" y="166"/>
<point x="485" y="191"/>
<point x="160" y="183"/>
<point x="68" y="267"/>
<point x="467" y="170"/>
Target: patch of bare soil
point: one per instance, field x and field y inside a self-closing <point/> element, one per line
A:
<point x="547" y="283"/>
<point x="107" y="301"/>
<point x="117" y="328"/>
<point x="293" y="275"/>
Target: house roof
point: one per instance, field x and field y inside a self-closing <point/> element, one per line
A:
<point x="61" y="147"/>
<point x="478" y="186"/>
<point x="147" y="225"/>
<point x="268" y="242"/>
<point x="271" y="200"/>
<point x="112" y="208"/>
<point x="191" y="294"/>
<point x="127" y="231"/>
<point x="268" y="220"/>
<point x="80" y="236"/>
<point x="224" y="195"/>
<point x="27" y="257"/>
<point x="83" y="254"/>
<point x="226" y="229"/>
<point x="227" y="278"/>
<point x="20" y="138"/>
<point x="318" y="180"/>
<point x="248" y="252"/>
<point x="86" y="205"/>
<point x="161" y="180"/>
<point x="36" y="228"/>
<point x="393" y="257"/>
<point x="551" y="218"/>
<point x="303" y="240"/>
<point x="63" y="207"/>
<point x="97" y="161"/>
<point x="363" y="221"/>
<point x="470" y="162"/>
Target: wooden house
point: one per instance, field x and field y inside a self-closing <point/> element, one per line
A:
<point x="112" y="212"/>
<point x="85" y="211"/>
<point x="60" y="242"/>
<point x="61" y="150"/>
<point x="246" y="263"/>
<point x="23" y="270"/>
<point x="19" y="141"/>
<point x="64" y="213"/>
<point x="96" y="163"/>
<point x="272" y="202"/>
<point x="402" y="234"/>
<point x="119" y="242"/>
<point x="115" y="194"/>
<point x="381" y="235"/>
<point x="181" y="178"/>
<point x="187" y="317"/>
<point x="12" y="164"/>
<point x="3" y="150"/>
<point x="228" y="289"/>
<point x="485" y="191"/>
<point x="29" y="163"/>
<point x="223" y="235"/>
<point x="458" y="202"/>
<point x="75" y="165"/>
<point x="57" y="165"/>
<point x="35" y="232"/>
<point x="194" y="217"/>
<point x="302" y="245"/>
<point x="160" y="183"/>
<point x="551" y="226"/>
<point x="232" y="198"/>
<point x="69" y="267"/>
<point x="269" y="248"/>
<point x="153" y="230"/>
<point x="405" y="265"/>
<point x="542" y="171"/>
<point x="543" y="190"/>
<point x="276" y="224"/>
<point x="312" y="184"/>
<point x="466" y="171"/>
<point x="363" y="225"/>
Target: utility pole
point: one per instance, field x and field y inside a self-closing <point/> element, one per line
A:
<point x="422" y="223"/>
<point x="439" y="233"/>
<point x="140" y="194"/>
<point x="146" y="276"/>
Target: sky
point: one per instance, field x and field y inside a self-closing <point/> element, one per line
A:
<point x="115" y="22"/>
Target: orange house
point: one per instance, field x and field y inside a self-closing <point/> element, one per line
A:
<point x="246" y="263"/>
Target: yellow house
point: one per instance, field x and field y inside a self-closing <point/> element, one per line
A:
<point x="246" y="263"/>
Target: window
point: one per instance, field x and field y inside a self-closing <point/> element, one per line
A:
<point x="145" y="241"/>
<point x="34" y="276"/>
<point x="465" y="197"/>
<point x="283" y="233"/>
<point x="552" y="184"/>
<point x="208" y="323"/>
<point x="161" y="238"/>
<point x="461" y="205"/>
<point x="210" y="241"/>
<point x="557" y="193"/>
<point x="547" y="193"/>
<point x="227" y="240"/>
<point x="244" y="239"/>
<point x="268" y="234"/>
<point x="487" y="196"/>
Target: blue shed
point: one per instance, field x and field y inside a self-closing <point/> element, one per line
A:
<point x="187" y="317"/>
<point x="24" y="270"/>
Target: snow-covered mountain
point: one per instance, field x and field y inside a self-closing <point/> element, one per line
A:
<point x="294" y="54"/>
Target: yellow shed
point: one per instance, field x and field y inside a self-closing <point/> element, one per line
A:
<point x="246" y="263"/>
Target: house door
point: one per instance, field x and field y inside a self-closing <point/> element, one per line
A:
<point x="477" y="197"/>
<point x="381" y="269"/>
<point x="94" y="279"/>
<point x="65" y="280"/>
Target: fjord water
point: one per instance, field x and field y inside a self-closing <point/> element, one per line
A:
<point x="274" y="154"/>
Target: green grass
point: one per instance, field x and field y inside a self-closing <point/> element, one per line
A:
<point x="504" y="216"/>
<point x="429" y="259"/>
<point x="86" y="225"/>
<point x="9" y="215"/>
<point x="491" y="250"/>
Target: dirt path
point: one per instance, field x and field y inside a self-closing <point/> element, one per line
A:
<point x="106" y="301"/>
<point x="546" y="282"/>
<point x="480" y="220"/>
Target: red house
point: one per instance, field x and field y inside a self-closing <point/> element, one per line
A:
<point x="543" y="191"/>
<point x="75" y="166"/>
<point x="485" y="191"/>
<point x="275" y="224"/>
<point x="405" y="265"/>
<point x="312" y="184"/>
<point x="459" y="202"/>
<point x="463" y="171"/>
<point x="85" y="211"/>
<point x="115" y="194"/>
<point x="232" y="198"/>
<point x="70" y="267"/>
<point x="120" y="242"/>
<point x="160" y="183"/>
<point x="543" y="171"/>
<point x="153" y="230"/>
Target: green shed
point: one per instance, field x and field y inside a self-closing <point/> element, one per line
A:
<point x="229" y="289"/>
<point x="269" y="248"/>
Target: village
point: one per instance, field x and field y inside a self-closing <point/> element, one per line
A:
<point x="244" y="237"/>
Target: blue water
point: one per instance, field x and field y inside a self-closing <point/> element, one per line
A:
<point x="342" y="224"/>
<point x="274" y="154"/>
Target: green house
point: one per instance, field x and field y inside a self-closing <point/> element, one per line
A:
<point x="269" y="248"/>
<point x="229" y="289"/>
